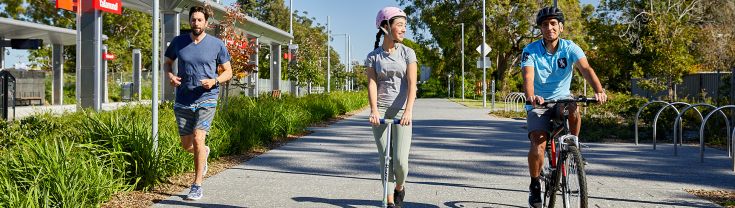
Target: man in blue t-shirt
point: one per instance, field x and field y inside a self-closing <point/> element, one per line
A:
<point x="197" y="84"/>
<point x="547" y="66"/>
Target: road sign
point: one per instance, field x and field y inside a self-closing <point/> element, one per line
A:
<point x="293" y="46"/>
<point x="108" y="56"/>
<point x="487" y="49"/>
<point x="111" y="6"/>
<point x="487" y="63"/>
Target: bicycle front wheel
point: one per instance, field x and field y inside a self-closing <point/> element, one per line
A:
<point x="574" y="187"/>
<point x="550" y="183"/>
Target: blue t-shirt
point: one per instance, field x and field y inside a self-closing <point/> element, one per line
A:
<point x="196" y="62"/>
<point x="552" y="72"/>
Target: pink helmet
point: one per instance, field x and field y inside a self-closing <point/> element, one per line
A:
<point x="387" y="13"/>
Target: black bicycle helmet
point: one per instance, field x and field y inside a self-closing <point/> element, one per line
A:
<point x="549" y="12"/>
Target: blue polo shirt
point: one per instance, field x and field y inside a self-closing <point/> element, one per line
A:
<point x="552" y="72"/>
<point x="196" y="62"/>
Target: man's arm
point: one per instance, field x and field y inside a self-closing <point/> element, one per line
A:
<point x="168" y="67"/>
<point x="528" y="76"/>
<point x="224" y="77"/>
<point x="589" y="74"/>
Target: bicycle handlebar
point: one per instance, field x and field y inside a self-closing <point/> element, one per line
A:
<point x="388" y="120"/>
<point x="573" y="100"/>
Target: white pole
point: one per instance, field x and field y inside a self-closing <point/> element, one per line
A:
<point x="462" y="61"/>
<point x="154" y="67"/>
<point x="328" y="56"/>
<point x="347" y="60"/>
<point x="484" y="72"/>
<point x="349" y="63"/>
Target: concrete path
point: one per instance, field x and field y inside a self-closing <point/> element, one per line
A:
<point x="460" y="157"/>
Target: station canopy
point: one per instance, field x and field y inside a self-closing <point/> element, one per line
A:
<point x="266" y="33"/>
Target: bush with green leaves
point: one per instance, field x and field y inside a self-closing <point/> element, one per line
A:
<point x="80" y="159"/>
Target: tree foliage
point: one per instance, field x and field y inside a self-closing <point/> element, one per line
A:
<point x="509" y="27"/>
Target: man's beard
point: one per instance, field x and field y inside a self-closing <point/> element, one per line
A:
<point x="195" y="33"/>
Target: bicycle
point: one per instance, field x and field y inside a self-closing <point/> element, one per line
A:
<point x="387" y="156"/>
<point x="563" y="169"/>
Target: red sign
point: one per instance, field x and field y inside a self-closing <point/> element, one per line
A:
<point x="108" y="56"/>
<point x="111" y="6"/>
<point x="70" y="5"/>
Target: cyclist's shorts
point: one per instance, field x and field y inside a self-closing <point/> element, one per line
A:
<point x="539" y="119"/>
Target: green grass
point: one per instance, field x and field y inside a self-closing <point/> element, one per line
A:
<point x="80" y="159"/>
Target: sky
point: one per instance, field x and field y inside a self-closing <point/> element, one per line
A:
<point x="354" y="17"/>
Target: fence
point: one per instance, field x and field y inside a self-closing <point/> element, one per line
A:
<point x="698" y="85"/>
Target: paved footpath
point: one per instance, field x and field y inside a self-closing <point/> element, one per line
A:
<point x="460" y="157"/>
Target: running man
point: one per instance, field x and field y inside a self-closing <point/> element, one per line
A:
<point x="197" y="86"/>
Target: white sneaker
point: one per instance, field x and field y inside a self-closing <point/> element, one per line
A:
<point x="195" y="193"/>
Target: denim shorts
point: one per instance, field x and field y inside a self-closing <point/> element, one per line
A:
<point x="195" y="116"/>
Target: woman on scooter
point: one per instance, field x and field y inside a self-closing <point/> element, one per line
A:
<point x="391" y="71"/>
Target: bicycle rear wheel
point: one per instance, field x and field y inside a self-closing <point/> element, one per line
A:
<point x="550" y="182"/>
<point x="574" y="188"/>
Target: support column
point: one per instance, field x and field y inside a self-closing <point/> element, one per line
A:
<point x="57" y="87"/>
<point x="90" y="68"/>
<point x="275" y="66"/>
<point x="137" y="70"/>
<point x="170" y="31"/>
<point x="255" y="91"/>
<point x="104" y="84"/>
<point x="2" y="52"/>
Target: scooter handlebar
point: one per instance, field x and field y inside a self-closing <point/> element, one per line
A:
<point x="388" y="120"/>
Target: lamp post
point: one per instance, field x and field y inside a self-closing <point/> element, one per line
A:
<point x="462" y="61"/>
<point x="347" y="56"/>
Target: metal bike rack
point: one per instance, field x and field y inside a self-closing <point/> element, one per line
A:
<point x="655" y="119"/>
<point x="678" y="122"/>
<point x="519" y="101"/>
<point x="639" y="114"/>
<point x="512" y="98"/>
<point x="701" y="134"/>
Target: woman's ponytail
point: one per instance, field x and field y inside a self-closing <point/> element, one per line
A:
<point x="377" y="38"/>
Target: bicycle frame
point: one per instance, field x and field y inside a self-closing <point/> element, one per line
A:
<point x="557" y="149"/>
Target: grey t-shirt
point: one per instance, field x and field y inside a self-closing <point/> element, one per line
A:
<point x="392" y="77"/>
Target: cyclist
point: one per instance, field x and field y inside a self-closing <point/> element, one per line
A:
<point x="391" y="71"/>
<point x="547" y="74"/>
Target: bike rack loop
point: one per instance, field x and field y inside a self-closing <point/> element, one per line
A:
<point x="655" y="119"/>
<point x="638" y="115"/>
<point x="678" y="122"/>
<point x="516" y="97"/>
<point x="732" y="145"/>
<point x="701" y="133"/>
<point x="510" y="102"/>
<point x="517" y="103"/>
<point x="507" y="100"/>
